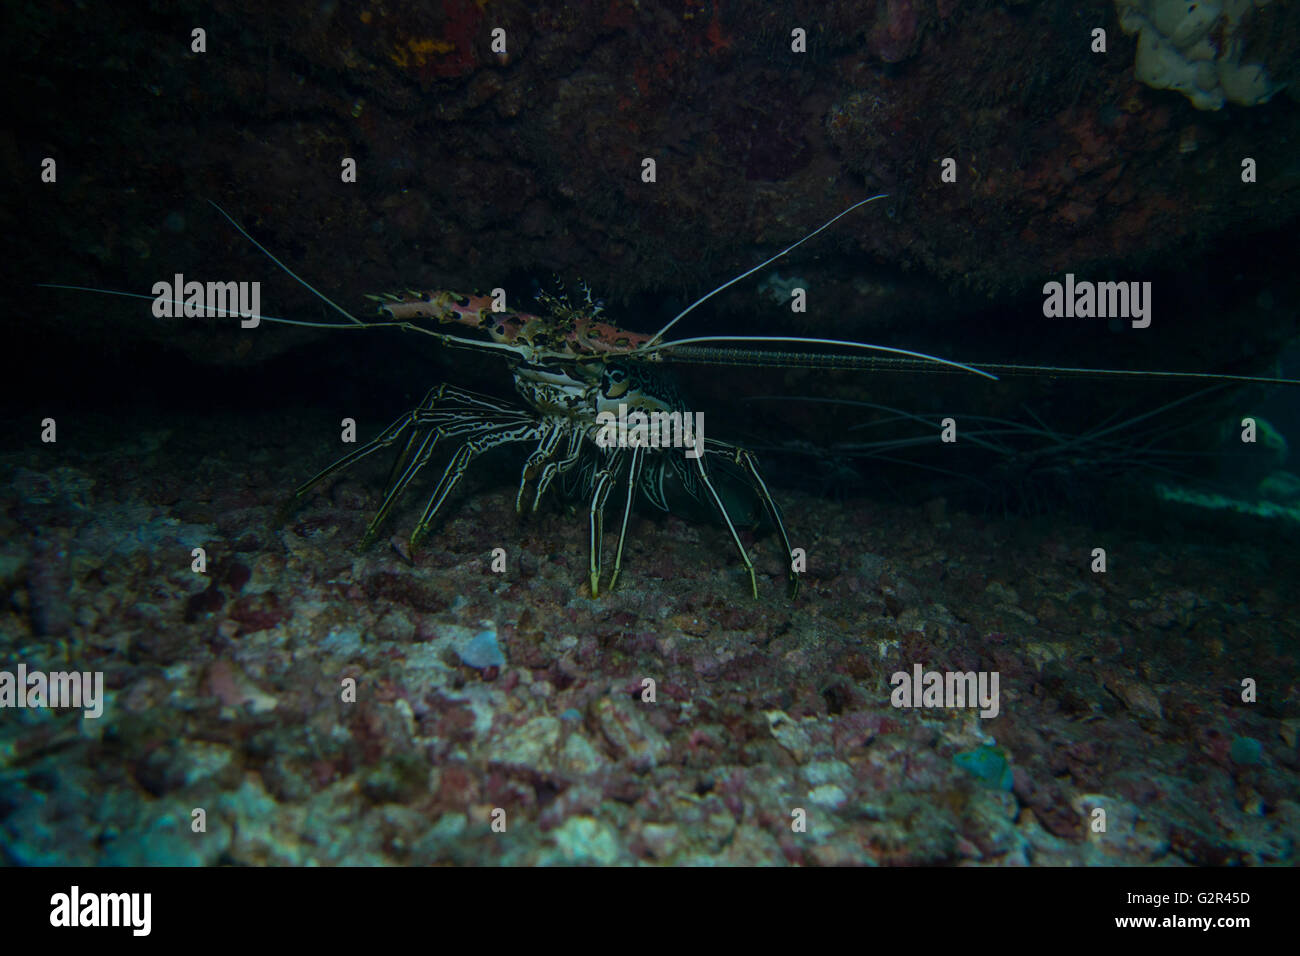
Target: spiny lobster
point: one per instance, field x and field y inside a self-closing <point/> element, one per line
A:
<point x="573" y="371"/>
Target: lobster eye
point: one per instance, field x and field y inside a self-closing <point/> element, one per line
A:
<point x="615" y="383"/>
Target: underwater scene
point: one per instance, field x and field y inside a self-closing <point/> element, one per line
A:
<point x="651" y="432"/>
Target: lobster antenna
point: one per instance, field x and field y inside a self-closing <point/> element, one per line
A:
<point x="705" y="298"/>
<point x="1051" y="370"/>
<point x="691" y="354"/>
<point x="224" y="312"/>
<point x="452" y="340"/>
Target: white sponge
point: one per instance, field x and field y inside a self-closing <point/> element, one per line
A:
<point x="1194" y="46"/>
<point x="1160" y="64"/>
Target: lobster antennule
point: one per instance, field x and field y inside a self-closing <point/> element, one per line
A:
<point x="398" y="322"/>
<point x="297" y="278"/>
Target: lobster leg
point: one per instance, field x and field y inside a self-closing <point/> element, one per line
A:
<point x="459" y="464"/>
<point x="458" y="426"/>
<point x="398" y="484"/>
<point x="432" y="410"/>
<point x="538" y="461"/>
<point x="605" y="481"/>
<point x="571" y="457"/>
<point x="445" y="412"/>
<point x="385" y="438"/>
<point x="451" y="476"/>
<point x="399" y="463"/>
<point x="633" y="473"/>
<point x="747" y="461"/>
<point x="726" y="519"/>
